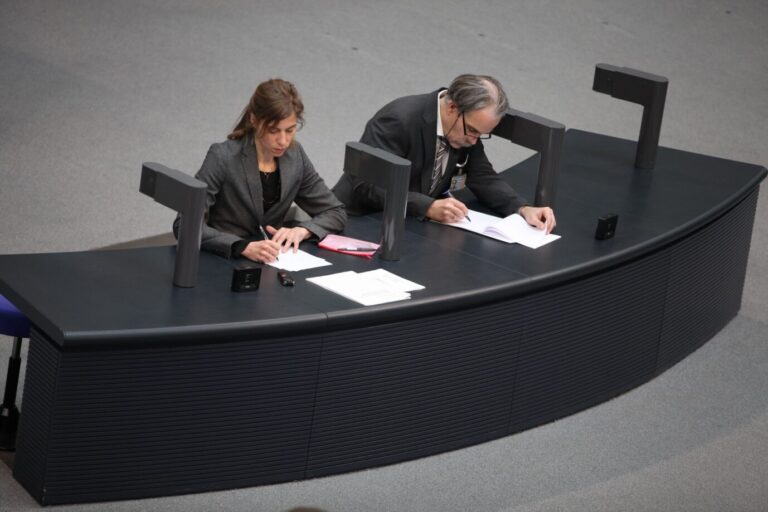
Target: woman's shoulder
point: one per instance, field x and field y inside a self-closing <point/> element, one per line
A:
<point x="221" y="158"/>
<point x="229" y="147"/>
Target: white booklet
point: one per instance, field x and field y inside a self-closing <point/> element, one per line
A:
<point x="512" y="230"/>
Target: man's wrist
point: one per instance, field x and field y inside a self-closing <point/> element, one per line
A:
<point x="238" y="247"/>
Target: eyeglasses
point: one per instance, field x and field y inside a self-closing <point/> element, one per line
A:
<point x="471" y="132"/>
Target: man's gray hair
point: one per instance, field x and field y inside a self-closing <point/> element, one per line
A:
<point x="474" y="92"/>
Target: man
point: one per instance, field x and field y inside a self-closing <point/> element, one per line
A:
<point x="440" y="134"/>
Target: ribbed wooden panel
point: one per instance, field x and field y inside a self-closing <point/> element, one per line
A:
<point x="706" y="282"/>
<point x="170" y="420"/>
<point x="396" y="392"/>
<point x="34" y="424"/>
<point x="588" y="341"/>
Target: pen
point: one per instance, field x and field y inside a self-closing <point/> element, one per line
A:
<point x="448" y="193"/>
<point x="357" y="249"/>
<point x="264" y="234"/>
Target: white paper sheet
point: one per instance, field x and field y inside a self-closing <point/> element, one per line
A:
<point x="300" y="260"/>
<point x="391" y="280"/>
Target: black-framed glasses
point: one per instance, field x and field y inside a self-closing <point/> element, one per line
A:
<point x="471" y="132"/>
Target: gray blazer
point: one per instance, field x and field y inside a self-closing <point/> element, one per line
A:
<point x="234" y="203"/>
<point x="407" y="127"/>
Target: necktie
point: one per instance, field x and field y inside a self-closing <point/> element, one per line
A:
<point x="440" y="156"/>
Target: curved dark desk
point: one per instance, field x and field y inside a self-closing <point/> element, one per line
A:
<point x="135" y="388"/>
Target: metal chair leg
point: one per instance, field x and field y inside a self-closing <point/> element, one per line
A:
<point x="9" y="413"/>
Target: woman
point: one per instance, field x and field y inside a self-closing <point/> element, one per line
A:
<point x="256" y="174"/>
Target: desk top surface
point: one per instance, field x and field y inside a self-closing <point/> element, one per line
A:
<point x="93" y="297"/>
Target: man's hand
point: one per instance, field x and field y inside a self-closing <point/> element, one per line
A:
<point x="286" y="238"/>
<point x="447" y="210"/>
<point x="539" y="217"/>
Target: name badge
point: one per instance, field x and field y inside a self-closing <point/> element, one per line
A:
<point x="459" y="180"/>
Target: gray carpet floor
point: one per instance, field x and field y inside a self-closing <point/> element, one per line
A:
<point x="90" y="89"/>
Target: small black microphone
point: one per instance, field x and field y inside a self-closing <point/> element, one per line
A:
<point x="606" y="226"/>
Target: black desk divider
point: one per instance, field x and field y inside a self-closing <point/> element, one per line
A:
<point x="391" y="173"/>
<point x="643" y="88"/>
<point x="186" y="195"/>
<point x="542" y="135"/>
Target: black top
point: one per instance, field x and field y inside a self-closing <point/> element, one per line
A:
<point x="270" y="184"/>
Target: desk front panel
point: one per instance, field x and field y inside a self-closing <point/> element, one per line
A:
<point x="402" y="390"/>
<point x="136" y="422"/>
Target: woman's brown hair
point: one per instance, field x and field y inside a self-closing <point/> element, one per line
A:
<point x="272" y="101"/>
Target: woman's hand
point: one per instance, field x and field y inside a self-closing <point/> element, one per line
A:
<point x="265" y="251"/>
<point x="286" y="238"/>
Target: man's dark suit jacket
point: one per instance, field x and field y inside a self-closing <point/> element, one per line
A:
<point x="407" y="127"/>
<point x="234" y="203"/>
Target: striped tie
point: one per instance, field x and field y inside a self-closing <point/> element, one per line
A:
<point x="440" y="156"/>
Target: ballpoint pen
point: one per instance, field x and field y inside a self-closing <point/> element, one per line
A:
<point x="448" y="193"/>
<point x="357" y="249"/>
<point x="266" y="237"/>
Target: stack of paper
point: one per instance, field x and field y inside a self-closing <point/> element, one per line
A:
<point x="368" y="288"/>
